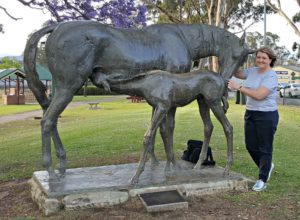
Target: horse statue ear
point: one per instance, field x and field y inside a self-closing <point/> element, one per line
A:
<point x="243" y="38"/>
<point x="242" y="42"/>
<point x="251" y="51"/>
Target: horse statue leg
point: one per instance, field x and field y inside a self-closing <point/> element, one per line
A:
<point x="49" y="129"/>
<point x="228" y="130"/>
<point x="158" y="115"/>
<point x="46" y="146"/>
<point x="167" y="133"/>
<point x="208" y="129"/>
<point x="60" y="151"/>
<point x="62" y="97"/>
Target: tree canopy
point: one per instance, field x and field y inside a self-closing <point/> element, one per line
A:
<point x="6" y="63"/>
<point x="276" y="6"/>
<point x="256" y="40"/>
<point x="229" y="14"/>
<point x="119" y="13"/>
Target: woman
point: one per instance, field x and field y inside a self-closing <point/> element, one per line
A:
<point x="261" y="116"/>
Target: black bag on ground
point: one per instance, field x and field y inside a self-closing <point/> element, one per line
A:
<point x="193" y="151"/>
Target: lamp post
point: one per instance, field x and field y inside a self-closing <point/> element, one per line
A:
<point x="180" y="9"/>
<point x="265" y="23"/>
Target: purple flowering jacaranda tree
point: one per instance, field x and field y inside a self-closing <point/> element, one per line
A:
<point x="119" y="13"/>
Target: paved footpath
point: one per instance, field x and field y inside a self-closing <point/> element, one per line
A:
<point x="39" y="113"/>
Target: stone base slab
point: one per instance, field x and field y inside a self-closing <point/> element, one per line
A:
<point x="94" y="187"/>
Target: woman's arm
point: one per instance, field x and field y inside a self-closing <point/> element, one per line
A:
<point x="258" y="94"/>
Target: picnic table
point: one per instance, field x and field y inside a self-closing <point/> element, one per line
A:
<point x="135" y="98"/>
<point x="94" y="105"/>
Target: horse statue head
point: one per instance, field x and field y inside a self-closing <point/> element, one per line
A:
<point x="236" y="56"/>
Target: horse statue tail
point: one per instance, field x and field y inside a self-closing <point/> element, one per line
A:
<point x="34" y="83"/>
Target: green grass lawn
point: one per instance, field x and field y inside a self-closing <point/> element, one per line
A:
<point x="14" y="109"/>
<point x="114" y="134"/>
<point x="90" y="98"/>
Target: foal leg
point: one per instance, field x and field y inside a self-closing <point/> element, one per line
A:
<point x="228" y="130"/>
<point x="157" y="118"/>
<point x="154" y="160"/>
<point x="167" y="135"/>
<point x="208" y="129"/>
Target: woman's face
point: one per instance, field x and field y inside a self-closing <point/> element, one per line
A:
<point x="262" y="60"/>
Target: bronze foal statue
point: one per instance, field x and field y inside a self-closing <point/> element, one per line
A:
<point x="165" y="92"/>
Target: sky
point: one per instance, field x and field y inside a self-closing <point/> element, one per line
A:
<point x="13" y="41"/>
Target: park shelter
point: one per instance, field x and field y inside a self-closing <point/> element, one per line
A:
<point x="15" y="85"/>
<point x="13" y="80"/>
<point x="45" y="76"/>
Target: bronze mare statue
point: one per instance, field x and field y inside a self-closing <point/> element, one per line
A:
<point x="80" y="50"/>
<point x="165" y="92"/>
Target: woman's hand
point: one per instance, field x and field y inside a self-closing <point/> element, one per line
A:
<point x="232" y="85"/>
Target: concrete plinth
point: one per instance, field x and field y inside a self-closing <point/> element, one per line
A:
<point x="93" y="187"/>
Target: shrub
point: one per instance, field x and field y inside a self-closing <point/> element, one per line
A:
<point x="93" y="90"/>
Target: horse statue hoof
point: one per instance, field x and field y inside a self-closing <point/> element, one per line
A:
<point x="177" y="166"/>
<point x="62" y="171"/>
<point x="134" y="180"/>
<point x="226" y="172"/>
<point x="154" y="164"/>
<point x="198" y="166"/>
<point x="170" y="176"/>
<point x="167" y="168"/>
<point x="62" y="175"/>
<point x="54" y="177"/>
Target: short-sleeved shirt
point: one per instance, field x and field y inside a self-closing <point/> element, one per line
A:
<point x="255" y="80"/>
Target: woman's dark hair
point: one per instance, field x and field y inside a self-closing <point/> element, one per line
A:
<point x="269" y="52"/>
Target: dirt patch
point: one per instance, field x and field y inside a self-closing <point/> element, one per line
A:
<point x="15" y="202"/>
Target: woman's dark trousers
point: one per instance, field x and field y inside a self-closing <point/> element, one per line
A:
<point x="260" y="128"/>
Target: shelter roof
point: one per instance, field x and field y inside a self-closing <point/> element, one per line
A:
<point x="12" y="73"/>
<point x="44" y="73"/>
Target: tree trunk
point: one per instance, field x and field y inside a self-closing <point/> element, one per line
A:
<point x="220" y="14"/>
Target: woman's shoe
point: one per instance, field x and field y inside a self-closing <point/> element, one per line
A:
<point x="259" y="186"/>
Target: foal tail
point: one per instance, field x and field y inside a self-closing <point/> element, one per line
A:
<point x="225" y="97"/>
<point x="225" y="101"/>
<point x="34" y="83"/>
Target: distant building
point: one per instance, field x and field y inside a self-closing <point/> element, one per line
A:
<point x="287" y="74"/>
